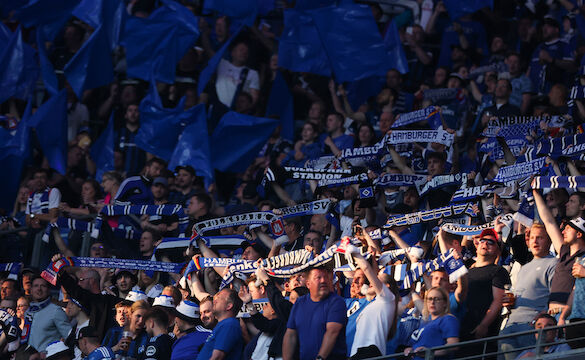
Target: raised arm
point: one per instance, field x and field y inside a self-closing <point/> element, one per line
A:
<point x="552" y="228"/>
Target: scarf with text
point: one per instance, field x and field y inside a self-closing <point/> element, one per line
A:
<point x="510" y="173"/>
<point x="378" y="150"/>
<point x="396" y="180"/>
<point x="354" y="179"/>
<point x="567" y="146"/>
<point x="74" y="224"/>
<point x="426" y="136"/>
<point x="430" y="215"/>
<point x="431" y="114"/>
<point x="512" y="131"/>
<point x="442" y="181"/>
<point x="50" y="273"/>
<point x="469" y="230"/>
<point x="445" y="94"/>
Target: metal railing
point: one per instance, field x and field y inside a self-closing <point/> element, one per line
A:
<point x="539" y="347"/>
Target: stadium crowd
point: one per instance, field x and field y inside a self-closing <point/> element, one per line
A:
<point x="436" y="201"/>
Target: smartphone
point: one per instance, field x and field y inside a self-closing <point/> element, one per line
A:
<point x="357" y="230"/>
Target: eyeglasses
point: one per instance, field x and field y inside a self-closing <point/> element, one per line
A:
<point x="434" y="299"/>
<point x="487" y="241"/>
<point x="94" y="248"/>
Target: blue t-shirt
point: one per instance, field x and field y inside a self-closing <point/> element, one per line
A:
<point x="188" y="346"/>
<point x="435" y="332"/>
<point x="100" y="353"/>
<point x="457" y="309"/>
<point x="541" y="76"/>
<point x="310" y="319"/>
<point x="354" y="308"/>
<point x="227" y="337"/>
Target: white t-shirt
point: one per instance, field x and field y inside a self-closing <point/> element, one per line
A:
<point x="373" y="323"/>
<point x="345" y="224"/>
<point x="228" y="78"/>
<point x="54" y="200"/>
<point x="262" y="345"/>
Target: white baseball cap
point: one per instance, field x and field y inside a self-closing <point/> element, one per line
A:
<point x="164" y="301"/>
<point x="136" y="295"/>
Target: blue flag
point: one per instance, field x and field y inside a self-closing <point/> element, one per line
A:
<point x="313" y="4"/>
<point x="53" y="15"/>
<point x="109" y="14"/>
<point x="359" y="91"/>
<point x="395" y="49"/>
<point x="212" y="64"/>
<point x="7" y="6"/>
<point x="47" y="70"/>
<point x="243" y="11"/>
<point x="458" y="8"/>
<point x="91" y="66"/>
<point x="353" y="43"/>
<point x="280" y="104"/>
<point x="155" y="45"/>
<point x="14" y="154"/>
<point x="18" y="69"/>
<point x="160" y="127"/>
<point x="50" y="122"/>
<point x="237" y="139"/>
<point x="193" y="146"/>
<point x="300" y="48"/>
<point x="102" y="151"/>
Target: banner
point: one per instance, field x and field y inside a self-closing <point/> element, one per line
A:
<point x="519" y="171"/>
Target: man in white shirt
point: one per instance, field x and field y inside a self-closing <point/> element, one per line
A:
<point x="234" y="77"/>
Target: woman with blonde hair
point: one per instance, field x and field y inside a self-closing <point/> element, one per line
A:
<point x="439" y="327"/>
<point x="131" y="340"/>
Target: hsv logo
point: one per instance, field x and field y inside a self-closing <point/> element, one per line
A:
<point x="277" y="228"/>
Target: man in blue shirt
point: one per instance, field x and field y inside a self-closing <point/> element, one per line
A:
<point x="192" y="335"/>
<point x="89" y="345"/>
<point x="135" y="190"/>
<point x="226" y="341"/>
<point x="316" y="325"/>
<point x="551" y="60"/>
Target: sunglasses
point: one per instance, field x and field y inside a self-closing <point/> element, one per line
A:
<point x="488" y="241"/>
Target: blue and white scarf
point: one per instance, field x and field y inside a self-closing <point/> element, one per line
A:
<point x="12" y="268"/>
<point x="510" y="173"/>
<point x="568" y="146"/>
<point x="558" y="182"/>
<point x="355" y="179"/>
<point x="511" y="131"/>
<point x="431" y="114"/>
<point x="166" y="209"/>
<point x="430" y="215"/>
<point x="297" y="173"/>
<point x="427" y="136"/>
<point x="33" y="308"/>
<point x="259" y="217"/>
<point x="577" y="92"/>
<point x="445" y="94"/>
<point x="377" y="150"/>
<point x="396" y="180"/>
<point x="74" y="224"/>
<point x="442" y="181"/>
<point x="495" y="67"/>
<point x="469" y="230"/>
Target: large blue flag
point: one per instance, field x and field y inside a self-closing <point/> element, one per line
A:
<point x="155" y="45"/>
<point x="359" y="91"/>
<point x="92" y="65"/>
<point x="237" y="139"/>
<point x="243" y="11"/>
<point x="50" y="122"/>
<point x="212" y="64"/>
<point x="53" y="15"/>
<point x="193" y="146"/>
<point x="353" y="43"/>
<point x="18" y="69"/>
<point x="47" y="69"/>
<point x="14" y="154"/>
<point x="109" y="14"/>
<point x="300" y="48"/>
<point x="102" y="151"/>
<point x="160" y="127"/>
<point x="395" y="49"/>
<point x="280" y="104"/>
<point x="458" y="8"/>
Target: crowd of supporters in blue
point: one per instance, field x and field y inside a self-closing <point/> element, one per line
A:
<point x="499" y="90"/>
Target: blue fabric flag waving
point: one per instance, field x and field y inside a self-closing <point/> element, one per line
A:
<point x="243" y="10"/>
<point x="109" y="14"/>
<point x="300" y="48"/>
<point x="50" y="122"/>
<point x="18" y="68"/>
<point x="458" y="8"/>
<point x="395" y="49"/>
<point x="91" y="66"/>
<point x="102" y="151"/>
<point x="156" y="44"/>
<point x="47" y="70"/>
<point x="14" y="154"/>
<point x="280" y="104"/>
<point x="354" y="45"/>
<point x="51" y="14"/>
<point x="237" y="139"/>
<point x="193" y="146"/>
